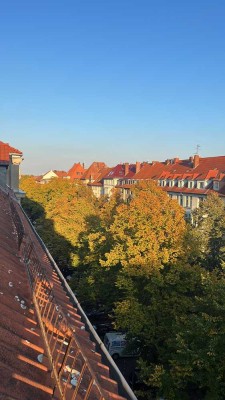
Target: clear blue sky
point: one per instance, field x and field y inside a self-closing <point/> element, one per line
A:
<point x="111" y="80"/>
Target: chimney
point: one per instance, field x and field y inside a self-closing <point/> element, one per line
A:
<point x="196" y="160"/>
<point x="138" y="166"/>
<point x="176" y="160"/>
<point x="126" y="168"/>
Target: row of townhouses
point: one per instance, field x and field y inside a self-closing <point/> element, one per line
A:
<point x="187" y="181"/>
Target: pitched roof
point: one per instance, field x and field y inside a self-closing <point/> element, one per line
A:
<point x="94" y="171"/>
<point x="44" y="302"/>
<point x="60" y="174"/>
<point x="208" y="168"/>
<point x="76" y="171"/>
<point x="6" y="150"/>
<point x="119" y="171"/>
<point x="98" y="182"/>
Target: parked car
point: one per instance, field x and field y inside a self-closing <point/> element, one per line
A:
<point x="117" y="345"/>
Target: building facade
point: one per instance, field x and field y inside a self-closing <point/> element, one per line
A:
<point x="10" y="160"/>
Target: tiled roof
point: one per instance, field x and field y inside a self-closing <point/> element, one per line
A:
<point x="101" y="176"/>
<point x="60" y="174"/>
<point x="6" y="150"/>
<point x="76" y="172"/>
<point x="94" y="171"/>
<point x="119" y="171"/>
<point x="44" y="303"/>
<point x="208" y="168"/>
<point x="185" y="190"/>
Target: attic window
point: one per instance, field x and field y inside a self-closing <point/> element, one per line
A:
<point x="216" y="185"/>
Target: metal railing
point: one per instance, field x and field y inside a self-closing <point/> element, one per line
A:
<point x="71" y="370"/>
<point x="17" y="222"/>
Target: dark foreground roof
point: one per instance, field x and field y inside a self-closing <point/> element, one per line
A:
<point x="48" y="349"/>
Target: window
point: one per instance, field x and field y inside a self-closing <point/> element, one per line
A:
<point x="216" y="185"/>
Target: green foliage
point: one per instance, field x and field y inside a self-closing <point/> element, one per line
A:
<point x="208" y="233"/>
<point x="178" y="316"/>
<point x="147" y="233"/>
<point x="130" y="240"/>
<point x="59" y="210"/>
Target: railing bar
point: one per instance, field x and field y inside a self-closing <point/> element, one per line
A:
<point x="89" y="388"/>
<point x="46" y="304"/>
<point x="67" y="353"/>
<point x="79" y="381"/>
<point x="54" y="326"/>
<point x="51" y="304"/>
<point x="75" y="359"/>
<point x="56" y="339"/>
<point x="60" y="350"/>
<point x="50" y="320"/>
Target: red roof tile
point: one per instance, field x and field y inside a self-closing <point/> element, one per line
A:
<point x="60" y="174"/>
<point x="98" y="181"/>
<point x="208" y="168"/>
<point x="76" y="172"/>
<point x="6" y="150"/>
<point x="94" y="171"/>
<point x="119" y="171"/>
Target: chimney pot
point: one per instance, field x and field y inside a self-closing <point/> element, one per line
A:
<point x="126" y="168"/>
<point x="138" y="166"/>
<point x="196" y="160"/>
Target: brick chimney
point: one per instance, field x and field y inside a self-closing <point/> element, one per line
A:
<point x="176" y="160"/>
<point x="126" y="168"/>
<point x="138" y="166"/>
<point x="196" y="160"/>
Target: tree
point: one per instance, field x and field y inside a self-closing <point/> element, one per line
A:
<point x="59" y="209"/>
<point x="128" y="240"/>
<point x="177" y="314"/>
<point x="208" y="232"/>
<point x="147" y="233"/>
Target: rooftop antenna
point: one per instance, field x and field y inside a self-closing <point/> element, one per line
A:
<point x="197" y="149"/>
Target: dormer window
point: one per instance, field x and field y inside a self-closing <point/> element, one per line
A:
<point x="200" y="184"/>
<point x="171" y="183"/>
<point x="216" y="185"/>
<point x="191" y="184"/>
<point x="180" y="183"/>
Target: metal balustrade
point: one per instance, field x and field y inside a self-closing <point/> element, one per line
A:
<point x="71" y="370"/>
